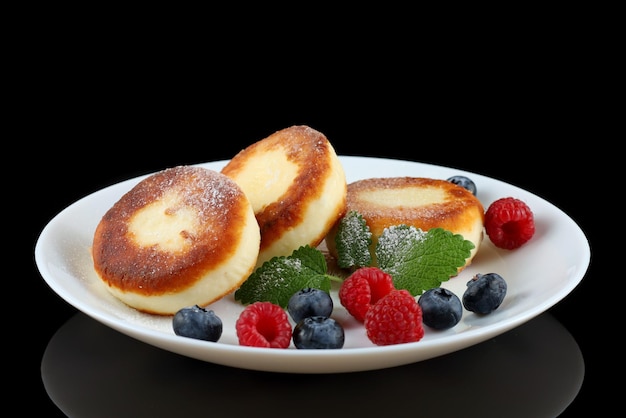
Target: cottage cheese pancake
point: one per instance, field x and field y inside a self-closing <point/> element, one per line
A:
<point x="424" y="203"/>
<point x="296" y="185"/>
<point x="183" y="236"/>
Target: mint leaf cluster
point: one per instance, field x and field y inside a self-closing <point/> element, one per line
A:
<point x="279" y="278"/>
<point x="415" y="259"/>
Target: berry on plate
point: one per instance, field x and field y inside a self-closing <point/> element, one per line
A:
<point x="263" y="324"/>
<point x="196" y="322"/>
<point x="509" y="223"/>
<point x="484" y="293"/>
<point x="362" y="289"/>
<point x="318" y="332"/>
<point x="464" y="182"/>
<point x="309" y="301"/>
<point x="394" y="319"/>
<point x="441" y="309"/>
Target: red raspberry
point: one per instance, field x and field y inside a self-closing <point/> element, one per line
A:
<point x="263" y="324"/>
<point x="509" y="223"/>
<point x="362" y="289"/>
<point x="395" y="319"/>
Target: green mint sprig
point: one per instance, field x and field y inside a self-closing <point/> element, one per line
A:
<point x="279" y="278"/>
<point x="353" y="240"/>
<point x="416" y="260"/>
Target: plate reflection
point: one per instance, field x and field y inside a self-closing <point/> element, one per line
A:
<point x="534" y="370"/>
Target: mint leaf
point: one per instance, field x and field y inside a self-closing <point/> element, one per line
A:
<point x="352" y="241"/>
<point x="419" y="260"/>
<point x="279" y="278"/>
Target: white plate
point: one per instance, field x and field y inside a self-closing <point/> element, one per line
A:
<point x="539" y="274"/>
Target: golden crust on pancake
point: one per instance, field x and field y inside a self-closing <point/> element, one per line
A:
<point x="183" y="236"/>
<point x="424" y="203"/>
<point x="296" y="185"/>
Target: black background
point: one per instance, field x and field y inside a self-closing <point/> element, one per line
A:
<point x="96" y="128"/>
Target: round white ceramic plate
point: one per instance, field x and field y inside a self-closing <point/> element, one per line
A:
<point x="539" y="274"/>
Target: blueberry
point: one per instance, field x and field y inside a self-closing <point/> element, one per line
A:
<point x="319" y="332"/>
<point x="199" y="323"/>
<point x="441" y="309"/>
<point x="309" y="302"/>
<point x="464" y="182"/>
<point x="484" y="293"/>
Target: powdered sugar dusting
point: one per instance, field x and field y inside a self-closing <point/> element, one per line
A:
<point x="395" y="239"/>
<point x="210" y="190"/>
<point x="353" y="235"/>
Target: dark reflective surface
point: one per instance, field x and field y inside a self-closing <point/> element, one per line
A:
<point x="90" y="370"/>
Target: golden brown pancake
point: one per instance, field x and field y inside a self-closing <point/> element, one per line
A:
<point x="424" y="203"/>
<point x="183" y="236"/>
<point x="296" y="185"/>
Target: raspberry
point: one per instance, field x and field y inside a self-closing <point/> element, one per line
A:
<point x="395" y="319"/>
<point x="509" y="223"/>
<point x="362" y="289"/>
<point x="263" y="324"/>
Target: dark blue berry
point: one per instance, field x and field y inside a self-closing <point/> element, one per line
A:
<point x="309" y="302"/>
<point x="441" y="309"/>
<point x="464" y="182"/>
<point x="484" y="293"/>
<point x="199" y="323"/>
<point x="318" y="332"/>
